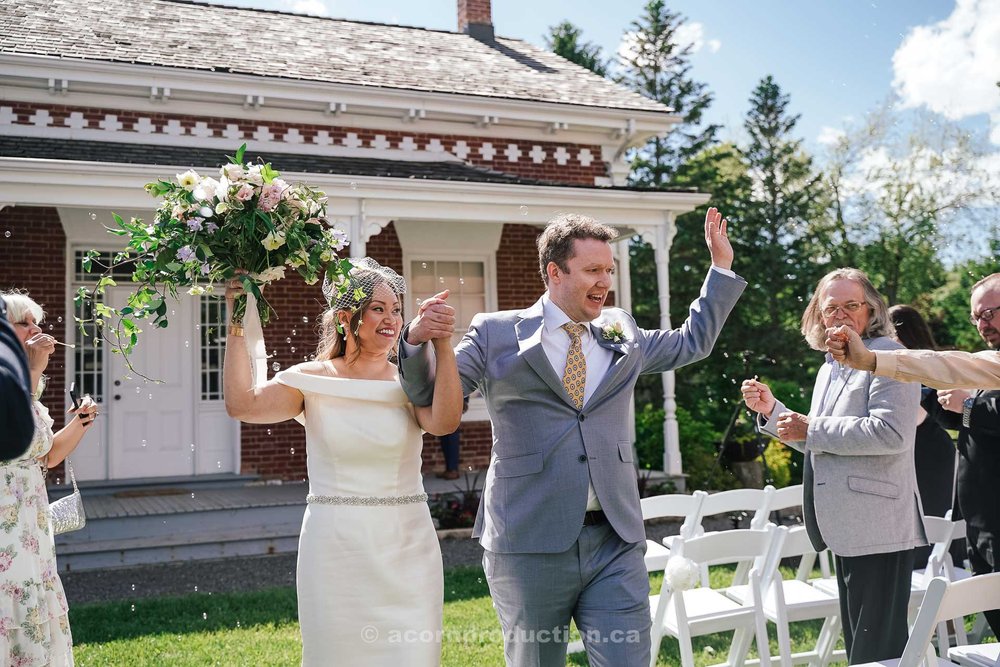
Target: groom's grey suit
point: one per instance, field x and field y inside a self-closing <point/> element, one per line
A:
<point x="543" y="565"/>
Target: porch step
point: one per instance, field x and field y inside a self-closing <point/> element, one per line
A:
<point x="160" y="524"/>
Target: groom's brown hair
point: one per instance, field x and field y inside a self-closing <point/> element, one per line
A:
<point x="555" y="243"/>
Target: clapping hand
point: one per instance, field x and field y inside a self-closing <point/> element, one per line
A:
<point x="792" y="426"/>
<point x="717" y="239"/>
<point x="435" y="320"/>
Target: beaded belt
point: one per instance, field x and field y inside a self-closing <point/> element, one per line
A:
<point x="366" y="500"/>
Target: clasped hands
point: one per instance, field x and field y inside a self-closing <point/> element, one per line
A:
<point x="435" y="321"/>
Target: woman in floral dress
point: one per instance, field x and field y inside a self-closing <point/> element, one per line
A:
<point x="34" y="627"/>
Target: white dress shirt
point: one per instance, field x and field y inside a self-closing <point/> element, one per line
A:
<point x="555" y="343"/>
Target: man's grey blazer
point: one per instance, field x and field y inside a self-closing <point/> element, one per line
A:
<point x="545" y="450"/>
<point x="864" y="482"/>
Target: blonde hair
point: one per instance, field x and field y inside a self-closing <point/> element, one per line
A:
<point x="20" y="305"/>
<point x="879" y="322"/>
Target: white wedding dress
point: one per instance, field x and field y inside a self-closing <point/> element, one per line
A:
<point x="370" y="580"/>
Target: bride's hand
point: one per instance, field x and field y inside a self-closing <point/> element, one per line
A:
<point x="234" y="288"/>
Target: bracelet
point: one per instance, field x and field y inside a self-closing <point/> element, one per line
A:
<point x="235" y="330"/>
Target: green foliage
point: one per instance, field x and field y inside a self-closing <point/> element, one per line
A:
<point x="778" y="458"/>
<point x="564" y="40"/>
<point x="656" y="66"/>
<point x="698" y="444"/>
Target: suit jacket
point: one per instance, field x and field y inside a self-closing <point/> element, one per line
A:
<point x="17" y="425"/>
<point x="859" y="462"/>
<point x="545" y="450"/>
<point x="979" y="461"/>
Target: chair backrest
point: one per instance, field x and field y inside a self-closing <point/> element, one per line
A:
<point x="783" y="499"/>
<point x="944" y="601"/>
<point x="675" y="505"/>
<point x="757" y="501"/>
<point x="941" y="532"/>
<point x="733" y="546"/>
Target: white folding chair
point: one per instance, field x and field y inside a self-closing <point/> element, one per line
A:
<point x="670" y="505"/>
<point x="744" y="501"/>
<point x="976" y="655"/>
<point x="942" y="602"/>
<point x="702" y="611"/>
<point x="790" y="601"/>
<point x="786" y="498"/>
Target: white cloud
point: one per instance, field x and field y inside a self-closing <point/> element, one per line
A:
<point x="952" y="66"/>
<point x="314" y="7"/>
<point x="828" y="136"/>
<point x="714" y="45"/>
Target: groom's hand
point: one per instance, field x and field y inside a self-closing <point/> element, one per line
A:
<point x="717" y="239"/>
<point x="435" y="319"/>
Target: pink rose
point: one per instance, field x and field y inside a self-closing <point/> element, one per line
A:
<point x="6" y="560"/>
<point x="270" y="196"/>
<point x="245" y="192"/>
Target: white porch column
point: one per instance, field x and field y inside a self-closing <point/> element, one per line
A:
<point x="671" y="438"/>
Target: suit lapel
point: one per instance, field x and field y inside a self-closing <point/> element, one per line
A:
<point x="838" y="383"/>
<point x="529" y="344"/>
<point x="617" y="367"/>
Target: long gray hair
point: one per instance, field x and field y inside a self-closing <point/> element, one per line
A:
<point x="879" y="323"/>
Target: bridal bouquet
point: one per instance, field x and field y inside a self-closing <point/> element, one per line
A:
<point x="205" y="230"/>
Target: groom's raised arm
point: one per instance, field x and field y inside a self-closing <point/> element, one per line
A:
<point x="694" y="340"/>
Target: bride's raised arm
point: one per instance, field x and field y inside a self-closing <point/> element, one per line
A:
<point x="269" y="403"/>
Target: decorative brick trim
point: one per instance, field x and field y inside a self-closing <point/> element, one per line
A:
<point x="574" y="164"/>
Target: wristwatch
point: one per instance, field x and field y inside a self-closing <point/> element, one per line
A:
<point x="967" y="411"/>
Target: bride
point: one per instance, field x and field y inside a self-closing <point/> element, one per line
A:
<point x="369" y="576"/>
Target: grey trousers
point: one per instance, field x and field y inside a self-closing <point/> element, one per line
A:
<point x="600" y="582"/>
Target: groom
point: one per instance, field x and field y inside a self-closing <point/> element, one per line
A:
<point x="560" y="520"/>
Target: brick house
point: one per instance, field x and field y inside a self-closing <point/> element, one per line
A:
<point x="442" y="154"/>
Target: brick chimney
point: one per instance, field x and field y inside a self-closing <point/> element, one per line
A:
<point x="475" y="18"/>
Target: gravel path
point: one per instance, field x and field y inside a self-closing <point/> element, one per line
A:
<point x="255" y="572"/>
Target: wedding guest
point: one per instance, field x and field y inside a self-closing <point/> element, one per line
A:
<point x="859" y="481"/>
<point x="451" y="444"/>
<point x="369" y="576"/>
<point x="941" y="370"/>
<point x="33" y="611"/>
<point x="17" y="421"/>
<point x="934" y="451"/>
<point x="559" y="518"/>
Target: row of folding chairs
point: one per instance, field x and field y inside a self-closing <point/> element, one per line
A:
<point x="758" y="593"/>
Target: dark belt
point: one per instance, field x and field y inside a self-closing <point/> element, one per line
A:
<point x="595" y="518"/>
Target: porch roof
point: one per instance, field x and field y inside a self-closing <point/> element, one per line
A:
<point x="444" y="169"/>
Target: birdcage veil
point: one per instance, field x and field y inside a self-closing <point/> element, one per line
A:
<point x="348" y="293"/>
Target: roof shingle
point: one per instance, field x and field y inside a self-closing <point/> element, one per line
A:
<point x="196" y="36"/>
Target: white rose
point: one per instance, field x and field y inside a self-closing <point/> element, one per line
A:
<point x="207" y="189"/>
<point x="233" y="172"/>
<point x="197" y="290"/>
<point x="188" y="180"/>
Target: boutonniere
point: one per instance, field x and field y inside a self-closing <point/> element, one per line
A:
<point x="613" y="332"/>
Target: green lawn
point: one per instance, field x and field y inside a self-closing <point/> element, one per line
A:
<point x="261" y="629"/>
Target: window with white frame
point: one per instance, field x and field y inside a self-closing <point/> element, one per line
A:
<point x="466" y="280"/>
<point x="212" y="328"/>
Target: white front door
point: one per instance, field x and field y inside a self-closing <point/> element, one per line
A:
<point x="151" y="425"/>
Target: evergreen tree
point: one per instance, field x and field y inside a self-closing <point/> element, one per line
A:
<point x="656" y="66"/>
<point x="564" y="40"/>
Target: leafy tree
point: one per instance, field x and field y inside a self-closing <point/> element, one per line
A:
<point x="564" y="40"/>
<point x="656" y="66"/>
<point x="902" y="194"/>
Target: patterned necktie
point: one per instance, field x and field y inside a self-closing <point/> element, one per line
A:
<point x="575" y="376"/>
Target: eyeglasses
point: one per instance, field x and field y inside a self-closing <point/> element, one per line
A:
<point x="986" y="315"/>
<point x="849" y="307"/>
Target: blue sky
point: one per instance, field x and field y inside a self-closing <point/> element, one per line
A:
<point x="837" y="60"/>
